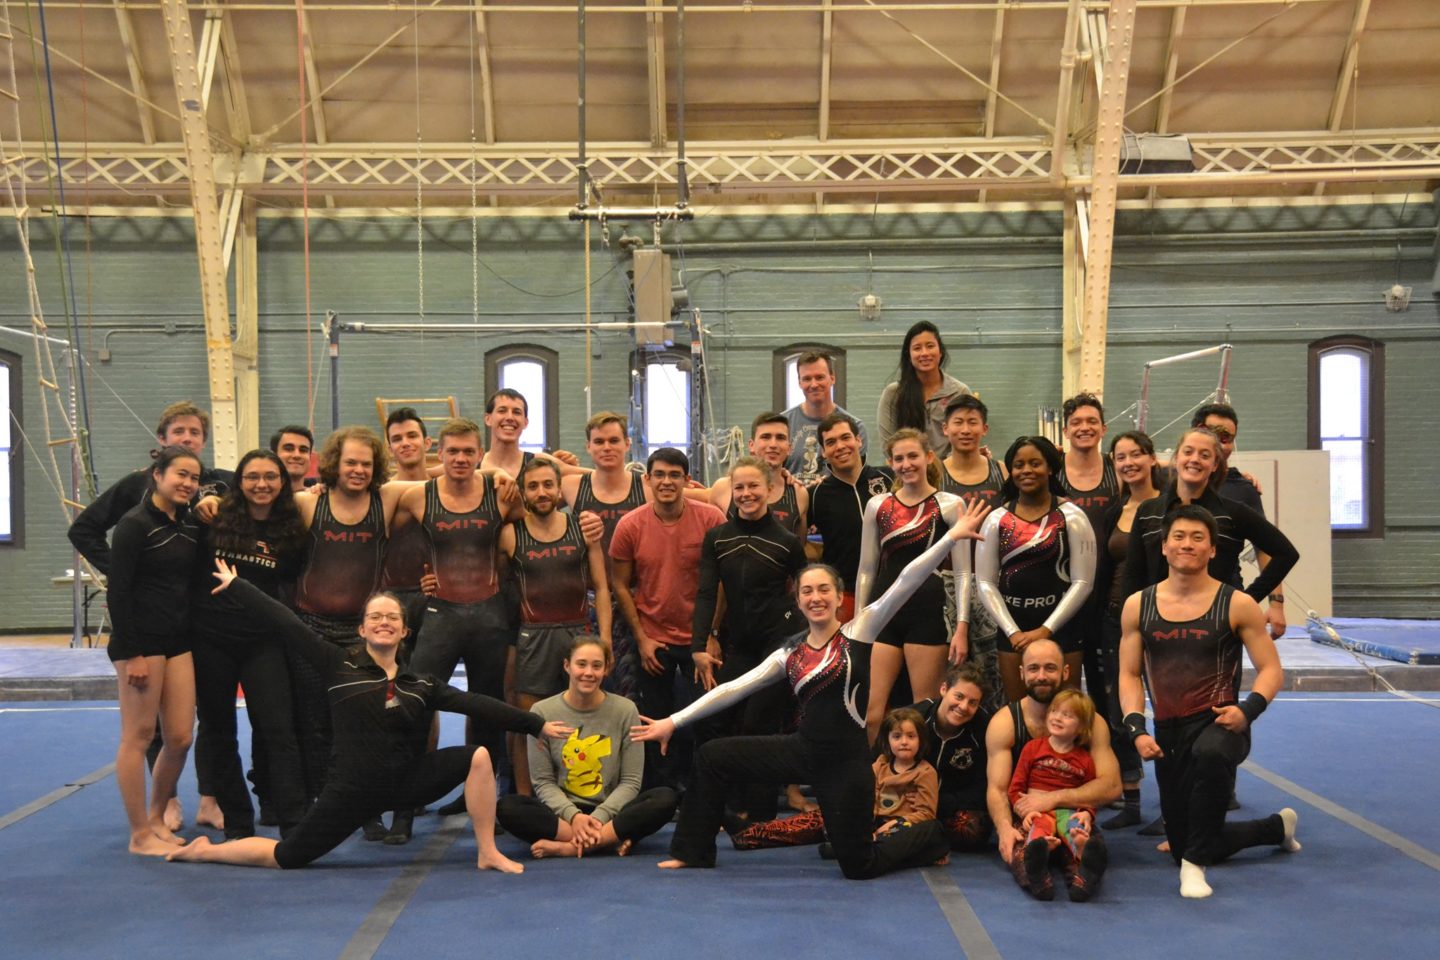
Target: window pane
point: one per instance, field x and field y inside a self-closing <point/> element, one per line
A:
<point x="1343" y="394"/>
<point x="1347" y="483"/>
<point x="667" y="406"/>
<point x="528" y="377"/>
<point x="794" y="396"/>
<point x="6" y="457"/>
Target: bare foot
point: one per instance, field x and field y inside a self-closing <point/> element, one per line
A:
<point x="208" y="814"/>
<point x="798" y="801"/>
<point x="541" y="849"/>
<point x="943" y="861"/>
<point x="149" y="845"/>
<point x="164" y="833"/>
<point x="1163" y="846"/>
<point x="174" y="815"/>
<point x="495" y="860"/>
<point x="192" y="852"/>
<point x="672" y="865"/>
<point x="624" y="849"/>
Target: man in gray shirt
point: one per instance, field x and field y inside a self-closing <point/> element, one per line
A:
<point x="816" y="374"/>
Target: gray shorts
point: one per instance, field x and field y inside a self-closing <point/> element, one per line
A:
<point x="540" y="652"/>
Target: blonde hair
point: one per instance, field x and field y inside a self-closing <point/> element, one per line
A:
<point x="932" y="469"/>
<point x="602" y="418"/>
<point x="754" y="463"/>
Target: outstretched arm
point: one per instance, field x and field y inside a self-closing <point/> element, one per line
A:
<point x="279" y="618"/>
<point x="869" y="553"/>
<point x="872" y="619"/>
<point x="770" y="670"/>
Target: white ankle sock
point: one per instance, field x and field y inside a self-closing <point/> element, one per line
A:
<point x="1290" y="818"/>
<point x="1192" y="881"/>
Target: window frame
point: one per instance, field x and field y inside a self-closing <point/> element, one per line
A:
<point x="780" y="356"/>
<point x="15" y="461"/>
<point x="1374" y="446"/>
<point x="643" y="359"/>
<point x="550" y="361"/>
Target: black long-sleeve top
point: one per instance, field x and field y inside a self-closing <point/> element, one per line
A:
<point x="1145" y="564"/>
<point x="152" y="559"/>
<point x="87" y="532"/>
<point x="258" y="560"/>
<point x="755" y="560"/>
<point x="377" y="722"/>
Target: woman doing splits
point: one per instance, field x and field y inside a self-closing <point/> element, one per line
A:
<point x="378" y="762"/>
<point x="152" y="552"/>
<point x="829" y="748"/>
<point x="1036" y="562"/>
<point x="587" y="787"/>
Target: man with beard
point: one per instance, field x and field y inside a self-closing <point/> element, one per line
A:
<point x="554" y="569"/>
<point x="837" y="503"/>
<point x="1043" y="670"/>
<point x="1190" y="631"/>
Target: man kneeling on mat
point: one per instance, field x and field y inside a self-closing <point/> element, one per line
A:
<point x="1190" y="630"/>
<point x="380" y="715"/>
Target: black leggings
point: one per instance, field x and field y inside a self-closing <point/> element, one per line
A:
<point x="530" y="819"/>
<point x="311" y="700"/>
<point x="844" y="785"/>
<point x="221" y="664"/>
<point x="343" y="807"/>
<point x="1132" y="768"/>
<point x="1196" y="777"/>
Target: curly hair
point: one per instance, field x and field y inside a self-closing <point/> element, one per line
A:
<point x="335" y="443"/>
<point x="234" y="528"/>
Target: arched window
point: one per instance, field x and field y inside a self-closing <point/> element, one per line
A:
<point x="785" y="390"/>
<point x="665" y="403"/>
<point x="534" y="372"/>
<point x="1347" y="418"/>
<point x="12" y="474"/>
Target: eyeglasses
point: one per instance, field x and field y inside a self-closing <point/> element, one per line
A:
<point x="257" y="477"/>
<point x="383" y="618"/>
<point x="1225" y="435"/>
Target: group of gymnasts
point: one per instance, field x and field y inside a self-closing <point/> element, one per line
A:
<point x="907" y="641"/>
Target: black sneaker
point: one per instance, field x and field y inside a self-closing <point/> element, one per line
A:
<point x="401" y="823"/>
<point x="374" y="829"/>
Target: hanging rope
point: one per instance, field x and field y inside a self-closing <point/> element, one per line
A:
<point x="589" y="353"/>
<point x="312" y="383"/>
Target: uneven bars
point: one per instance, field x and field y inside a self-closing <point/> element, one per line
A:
<point x="1142" y="406"/>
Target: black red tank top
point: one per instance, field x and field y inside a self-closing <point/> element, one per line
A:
<point x="405" y="557"/>
<point x="1191" y="665"/>
<point x="463" y="545"/>
<point x="1097" y="501"/>
<point x="342" y="567"/>
<point x="987" y="491"/>
<point x="553" y="575"/>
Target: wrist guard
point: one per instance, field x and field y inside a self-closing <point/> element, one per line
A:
<point x="1252" y="706"/>
<point x="1134" y="724"/>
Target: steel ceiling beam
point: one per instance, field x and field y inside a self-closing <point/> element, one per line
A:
<point x="138" y="86"/>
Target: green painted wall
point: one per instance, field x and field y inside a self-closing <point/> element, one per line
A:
<point x="1270" y="280"/>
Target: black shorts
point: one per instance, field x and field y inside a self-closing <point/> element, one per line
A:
<point x="923" y="629"/>
<point x="165" y="645"/>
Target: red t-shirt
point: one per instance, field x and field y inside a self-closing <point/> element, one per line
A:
<point x="666" y="559"/>
<point x="1041" y="768"/>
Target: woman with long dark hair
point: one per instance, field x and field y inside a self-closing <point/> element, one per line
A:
<point x="152" y="555"/>
<point x="1036" y="564"/>
<point x="918" y="396"/>
<point x="257" y="529"/>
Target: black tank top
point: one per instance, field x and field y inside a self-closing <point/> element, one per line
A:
<point x="1095" y="502"/>
<point x="405" y="557"/>
<point x="609" y="513"/>
<point x="553" y="575"/>
<point x="1192" y="665"/>
<point x="343" y="564"/>
<point x="463" y="545"/>
<point x="1022" y="730"/>
<point x="784" y="510"/>
<point x="987" y="491"/>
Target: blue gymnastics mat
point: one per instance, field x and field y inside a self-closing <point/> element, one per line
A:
<point x="1415" y="642"/>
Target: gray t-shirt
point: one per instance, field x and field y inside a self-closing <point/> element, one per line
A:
<point x="597" y="770"/>
<point x="806" y="462"/>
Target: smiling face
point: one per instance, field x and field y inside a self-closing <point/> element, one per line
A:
<point x="177" y="483"/>
<point x="294" y="452"/>
<point x="1061" y="723"/>
<point x="1085" y="428"/>
<point x="407" y="442"/>
<point x="608" y="446"/>
<point x="260" y="480"/>
<point x="966" y="430"/>
<point x="840" y="447"/>
<point x="1132" y="464"/>
<point x="667" y="482"/>
<point x="357" y="466"/>
<point x="541" y="491"/>
<point x="586" y="668"/>
<point x="816" y="382"/>
<point x="924" y="352"/>
<point x="1042" y="667"/>
<point x="186" y="431"/>
<point x="460" y="454"/>
<point x="904" y="742"/>
<point x="1224" y="428"/>
<point x="383" y="625"/>
<point x="1029" y="470"/>
<point x="1197" y="458"/>
<point x="749" y="492"/>
<point x="958" y="704"/>
<point x="910" y="460"/>
<point x="1187" y="547"/>
<point x="771" y="443"/>
<point x="507" y="419"/>
<point x="817" y="596"/>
